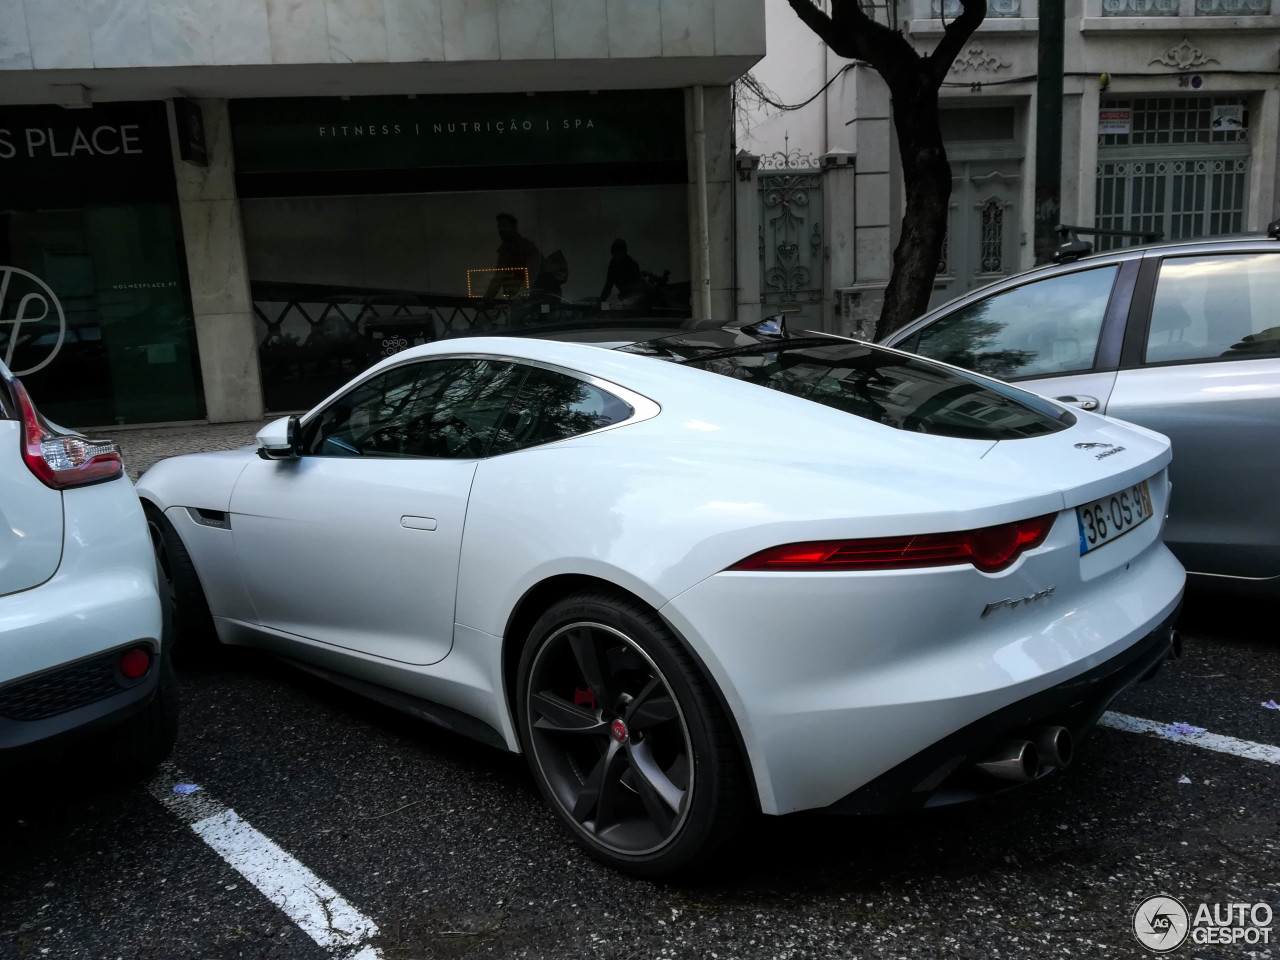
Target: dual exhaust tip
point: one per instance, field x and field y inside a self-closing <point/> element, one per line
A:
<point x="1019" y="761"/>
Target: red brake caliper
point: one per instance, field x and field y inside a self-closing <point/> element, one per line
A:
<point x="584" y="697"/>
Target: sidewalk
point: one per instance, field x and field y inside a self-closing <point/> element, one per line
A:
<point x="143" y="447"/>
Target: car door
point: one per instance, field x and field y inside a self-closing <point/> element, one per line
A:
<point x="355" y="542"/>
<point x="1202" y="365"/>
<point x="1057" y="335"/>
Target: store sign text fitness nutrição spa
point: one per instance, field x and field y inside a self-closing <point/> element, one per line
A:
<point x="486" y="130"/>
<point x="475" y="126"/>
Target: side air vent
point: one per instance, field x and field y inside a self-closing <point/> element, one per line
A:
<point x="210" y="518"/>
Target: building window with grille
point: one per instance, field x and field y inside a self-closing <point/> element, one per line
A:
<point x="1176" y="167"/>
<point x="950" y="9"/>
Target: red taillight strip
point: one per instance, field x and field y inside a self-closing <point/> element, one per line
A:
<point x="60" y="460"/>
<point x="990" y="549"/>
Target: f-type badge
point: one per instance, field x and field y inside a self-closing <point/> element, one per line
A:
<point x="1017" y="601"/>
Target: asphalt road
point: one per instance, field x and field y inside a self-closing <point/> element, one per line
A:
<point x="447" y="847"/>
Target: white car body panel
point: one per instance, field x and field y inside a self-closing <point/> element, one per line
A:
<point x="30" y="520"/>
<point x="358" y="553"/>
<point x="660" y="508"/>
<point x="907" y="654"/>
<point x="104" y="592"/>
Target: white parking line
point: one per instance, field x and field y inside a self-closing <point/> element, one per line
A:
<point x="1208" y="741"/>
<point x="308" y="901"/>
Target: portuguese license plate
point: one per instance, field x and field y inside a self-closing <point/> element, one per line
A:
<point x="1106" y="518"/>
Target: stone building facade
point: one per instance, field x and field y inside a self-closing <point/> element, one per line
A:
<point x="214" y="208"/>
<point x="1170" y="125"/>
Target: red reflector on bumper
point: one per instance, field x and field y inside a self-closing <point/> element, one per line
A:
<point x="135" y="663"/>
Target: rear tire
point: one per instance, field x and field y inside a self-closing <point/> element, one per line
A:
<point x="194" y="637"/>
<point x="625" y="737"/>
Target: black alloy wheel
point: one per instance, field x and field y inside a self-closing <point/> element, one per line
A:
<point x="624" y="738"/>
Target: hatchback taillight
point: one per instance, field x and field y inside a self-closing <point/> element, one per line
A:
<point x="990" y="549"/>
<point x="62" y="460"/>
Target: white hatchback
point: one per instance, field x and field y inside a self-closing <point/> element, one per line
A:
<point x="82" y="663"/>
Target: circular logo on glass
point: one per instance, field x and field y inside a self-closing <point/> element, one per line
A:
<point x="1161" y="923"/>
<point x="32" y="331"/>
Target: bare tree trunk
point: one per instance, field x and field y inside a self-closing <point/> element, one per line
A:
<point x="926" y="176"/>
<point x="913" y="80"/>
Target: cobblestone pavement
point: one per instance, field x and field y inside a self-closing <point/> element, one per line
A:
<point x="142" y="447"/>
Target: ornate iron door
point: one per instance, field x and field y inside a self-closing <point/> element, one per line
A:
<point x="982" y="227"/>
<point x="791" y="238"/>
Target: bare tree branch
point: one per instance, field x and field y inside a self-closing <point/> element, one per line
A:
<point x="955" y="36"/>
<point x="851" y="34"/>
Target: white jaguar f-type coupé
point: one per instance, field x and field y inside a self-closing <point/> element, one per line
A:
<point x="723" y="570"/>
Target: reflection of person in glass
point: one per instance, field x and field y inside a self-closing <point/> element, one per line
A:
<point x="624" y="274"/>
<point x="516" y="254"/>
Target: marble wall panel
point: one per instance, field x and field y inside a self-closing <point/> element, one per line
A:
<point x="299" y="31"/>
<point x="15" y="46"/>
<point x="415" y="30"/>
<point x="180" y="32"/>
<point x="688" y="28"/>
<point x="635" y="28"/>
<point x="241" y="33"/>
<point x="357" y="31"/>
<point x="229" y="364"/>
<point x="581" y="29"/>
<point x="739" y="28"/>
<point x="119" y="31"/>
<point x="470" y="29"/>
<point x="525" y="30"/>
<point x="215" y="258"/>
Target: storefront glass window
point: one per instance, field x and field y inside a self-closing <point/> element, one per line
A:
<point x="94" y="311"/>
<point x="407" y="237"/>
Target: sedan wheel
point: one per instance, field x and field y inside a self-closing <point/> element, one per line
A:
<point x="193" y="632"/>
<point x="624" y="738"/>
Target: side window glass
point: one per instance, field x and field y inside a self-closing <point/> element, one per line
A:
<point x="436" y="408"/>
<point x="1038" y="329"/>
<point x="552" y="406"/>
<point x="1219" y="307"/>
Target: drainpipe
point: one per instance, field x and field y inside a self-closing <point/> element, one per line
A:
<point x="704" y="232"/>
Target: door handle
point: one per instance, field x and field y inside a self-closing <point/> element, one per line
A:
<point x="1083" y="402"/>
<point x="418" y="523"/>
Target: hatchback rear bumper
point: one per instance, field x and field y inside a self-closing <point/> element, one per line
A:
<point x="47" y="711"/>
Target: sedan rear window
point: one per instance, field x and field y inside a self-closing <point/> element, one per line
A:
<point x="870" y="382"/>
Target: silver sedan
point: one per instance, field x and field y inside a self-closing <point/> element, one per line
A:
<point x="1183" y="338"/>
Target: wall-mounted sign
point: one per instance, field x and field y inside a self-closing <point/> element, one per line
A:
<point x="34" y="304"/>
<point x="496" y="130"/>
<point x="1114" y="121"/>
<point x="189" y="120"/>
<point x="110" y="152"/>
<point x="1227" y="116"/>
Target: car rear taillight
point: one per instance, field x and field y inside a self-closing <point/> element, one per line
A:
<point x="990" y="549"/>
<point x="62" y="460"/>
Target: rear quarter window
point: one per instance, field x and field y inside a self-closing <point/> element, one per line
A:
<point x="888" y="388"/>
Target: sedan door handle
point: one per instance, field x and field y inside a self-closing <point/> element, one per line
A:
<point x="1084" y="403"/>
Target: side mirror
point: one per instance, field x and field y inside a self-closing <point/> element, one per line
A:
<point x="278" y="440"/>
